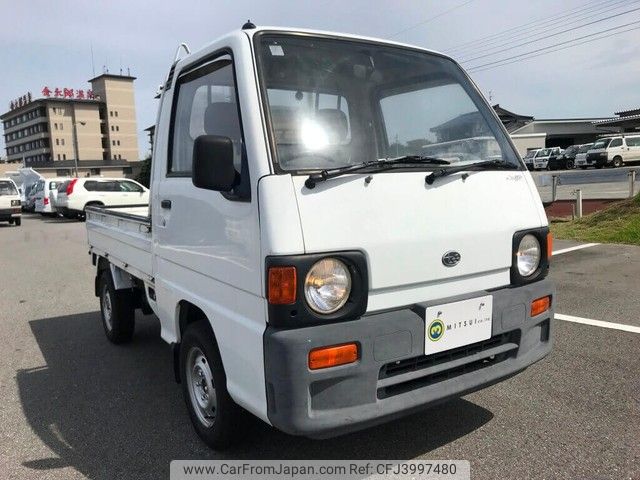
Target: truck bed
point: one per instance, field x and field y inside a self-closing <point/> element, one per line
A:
<point x="123" y="236"/>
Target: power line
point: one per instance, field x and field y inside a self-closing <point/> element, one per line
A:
<point x="431" y="18"/>
<point x="556" y="50"/>
<point x="549" y="36"/>
<point x="559" y="17"/>
<point x="579" y="19"/>
<point x="478" y="67"/>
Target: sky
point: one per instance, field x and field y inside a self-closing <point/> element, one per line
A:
<point x="50" y="43"/>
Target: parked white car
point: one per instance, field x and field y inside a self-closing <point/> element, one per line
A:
<point x="543" y="156"/>
<point x="304" y="268"/>
<point x="581" y="156"/>
<point x="78" y="193"/>
<point x="528" y="158"/>
<point x="10" y="209"/>
<point x="46" y="195"/>
<point x="614" y="151"/>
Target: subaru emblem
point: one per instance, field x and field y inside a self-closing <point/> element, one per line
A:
<point x="451" y="259"/>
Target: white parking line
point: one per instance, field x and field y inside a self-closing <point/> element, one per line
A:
<point x="577" y="247"/>
<point x="597" y="323"/>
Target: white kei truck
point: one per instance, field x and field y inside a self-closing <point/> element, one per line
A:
<point x="308" y="261"/>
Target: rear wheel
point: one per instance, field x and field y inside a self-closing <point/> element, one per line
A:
<point x="617" y="162"/>
<point x="117" y="310"/>
<point x="17" y="221"/>
<point x="569" y="165"/>
<point x="217" y="419"/>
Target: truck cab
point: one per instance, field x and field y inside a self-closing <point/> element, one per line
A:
<point x="10" y="209"/>
<point x="340" y="232"/>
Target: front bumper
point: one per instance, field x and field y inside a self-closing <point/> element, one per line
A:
<point x="9" y="213"/>
<point x="393" y="377"/>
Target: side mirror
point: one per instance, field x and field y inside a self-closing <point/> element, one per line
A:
<point x="213" y="163"/>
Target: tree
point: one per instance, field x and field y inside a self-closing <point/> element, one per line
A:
<point x="144" y="177"/>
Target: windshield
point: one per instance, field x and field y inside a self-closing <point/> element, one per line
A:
<point x="545" y="152"/>
<point x="7" y="188"/>
<point x="531" y="154"/>
<point x="585" y="148"/>
<point x="604" y="143"/>
<point x="334" y="103"/>
<point x="571" y="150"/>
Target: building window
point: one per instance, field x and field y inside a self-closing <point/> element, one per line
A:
<point x="64" y="156"/>
<point x="115" y="157"/>
<point x="62" y="141"/>
<point x="113" y="142"/>
<point x="111" y="113"/>
<point x="58" y="143"/>
<point x="117" y="128"/>
<point x="112" y="129"/>
<point x="62" y="172"/>
<point x="127" y="170"/>
<point x="116" y="112"/>
<point x="119" y="157"/>
<point x="118" y="142"/>
<point x="62" y="126"/>
<point x="58" y="156"/>
<point x="95" y="171"/>
<point x="55" y="125"/>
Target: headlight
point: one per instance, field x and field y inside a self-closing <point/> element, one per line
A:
<point x="327" y="285"/>
<point x="15" y="203"/>
<point x="528" y="255"/>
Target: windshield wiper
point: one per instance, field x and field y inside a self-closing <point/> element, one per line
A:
<point x="443" y="172"/>
<point x="379" y="165"/>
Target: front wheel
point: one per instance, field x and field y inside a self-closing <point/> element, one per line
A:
<point x="217" y="419"/>
<point x="617" y="162"/>
<point x="569" y="165"/>
<point x="17" y="221"/>
<point x="117" y="311"/>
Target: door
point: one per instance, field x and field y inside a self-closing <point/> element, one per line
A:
<point x="617" y="149"/>
<point x="206" y="243"/>
<point x="132" y="193"/>
<point x="633" y="148"/>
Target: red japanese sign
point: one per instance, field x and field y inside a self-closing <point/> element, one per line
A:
<point x="68" y="93"/>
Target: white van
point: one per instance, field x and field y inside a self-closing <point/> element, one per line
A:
<point x="307" y="261"/>
<point x="614" y="151"/>
<point x="10" y="209"/>
<point x="528" y="158"/>
<point x="581" y="156"/>
<point x="46" y="195"/>
<point x="81" y="192"/>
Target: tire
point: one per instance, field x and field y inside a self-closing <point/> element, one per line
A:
<point x="217" y="419"/>
<point x="17" y="222"/>
<point x="117" y="311"/>
<point x="569" y="165"/>
<point x="617" y="162"/>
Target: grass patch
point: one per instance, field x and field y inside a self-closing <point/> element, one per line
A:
<point x="619" y="223"/>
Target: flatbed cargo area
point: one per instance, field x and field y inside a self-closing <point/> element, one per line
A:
<point x="123" y="235"/>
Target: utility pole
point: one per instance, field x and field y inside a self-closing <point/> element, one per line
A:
<point x="75" y="139"/>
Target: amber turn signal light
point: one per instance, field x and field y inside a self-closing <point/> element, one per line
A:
<point x="326" y="357"/>
<point x="282" y="285"/>
<point x="549" y="245"/>
<point x="540" y="305"/>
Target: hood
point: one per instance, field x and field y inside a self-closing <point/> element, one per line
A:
<point x="405" y="227"/>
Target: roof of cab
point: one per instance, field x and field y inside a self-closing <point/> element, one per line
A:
<point x="250" y="32"/>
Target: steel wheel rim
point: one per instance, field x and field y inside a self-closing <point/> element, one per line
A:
<point x="107" y="308"/>
<point x="202" y="392"/>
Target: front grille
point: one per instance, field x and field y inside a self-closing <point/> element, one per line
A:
<point x="403" y="376"/>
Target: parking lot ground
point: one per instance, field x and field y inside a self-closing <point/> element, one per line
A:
<point x="75" y="406"/>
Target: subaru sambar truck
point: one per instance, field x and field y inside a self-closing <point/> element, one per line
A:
<point x="340" y="232"/>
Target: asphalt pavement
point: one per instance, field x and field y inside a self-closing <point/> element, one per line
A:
<point x="74" y="406"/>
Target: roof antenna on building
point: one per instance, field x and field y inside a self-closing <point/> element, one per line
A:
<point x="128" y="72"/>
<point x="93" y="65"/>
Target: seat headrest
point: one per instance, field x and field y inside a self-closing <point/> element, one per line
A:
<point x="221" y="118"/>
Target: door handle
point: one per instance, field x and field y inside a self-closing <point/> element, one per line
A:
<point x="166" y="204"/>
